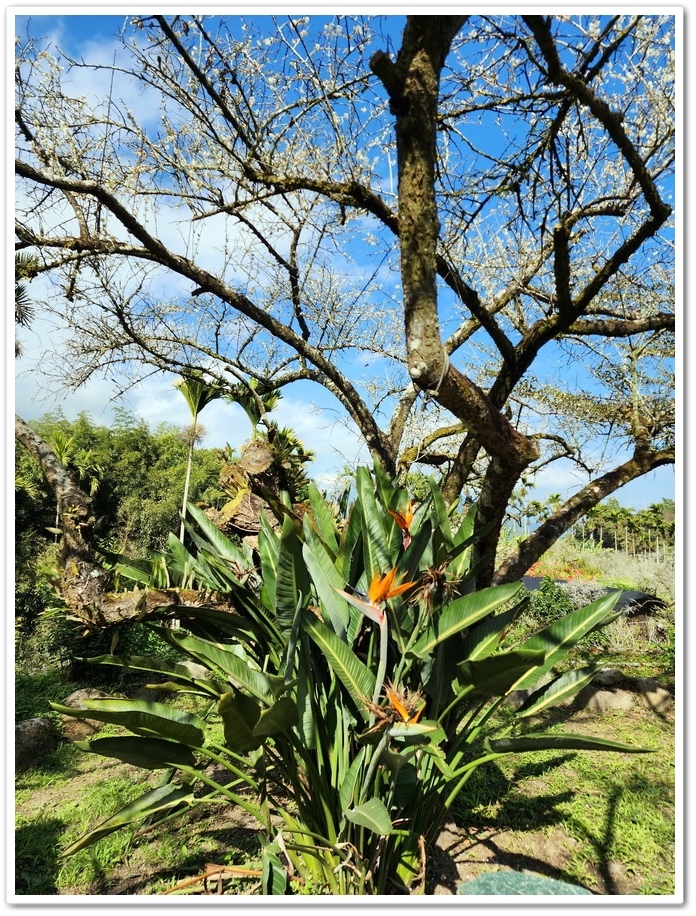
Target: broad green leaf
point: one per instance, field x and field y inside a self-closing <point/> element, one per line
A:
<point x="415" y="551"/>
<point x="373" y="815"/>
<point x="558" y="638"/>
<point x="441" y="513"/>
<point x="428" y="730"/>
<point x="133" y="573"/>
<point x="466" y="526"/>
<point x="322" y="518"/>
<point x="384" y="485"/>
<point x="351" y="552"/>
<point x="219" y="543"/>
<point x="407" y="786"/>
<point x="496" y="675"/>
<point x="347" y="787"/>
<point x="292" y="583"/>
<point x="353" y="674"/>
<point x="558" y="743"/>
<point x="396" y="760"/>
<point x="190" y="674"/>
<point x="561" y="688"/>
<point x="162" y="798"/>
<point x="462" y="613"/>
<point x="240" y="715"/>
<point x="483" y="639"/>
<point x="241" y="672"/>
<point x="326" y="578"/>
<point x="459" y="566"/>
<point x="269" y="547"/>
<point x="274" y="878"/>
<point x="148" y="753"/>
<point x="304" y="695"/>
<point x="279" y="718"/>
<point x="143" y="718"/>
<point x="213" y="621"/>
<point x="177" y="551"/>
<point x="377" y="557"/>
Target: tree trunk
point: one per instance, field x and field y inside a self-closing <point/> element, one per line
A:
<point x="413" y="83"/>
<point x="84" y="583"/>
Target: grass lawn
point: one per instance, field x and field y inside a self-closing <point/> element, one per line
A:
<point x="601" y="820"/>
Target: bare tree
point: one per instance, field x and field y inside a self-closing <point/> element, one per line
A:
<point x="484" y="214"/>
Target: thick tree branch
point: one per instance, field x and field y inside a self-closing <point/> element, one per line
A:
<point x="528" y="551"/>
<point x="622" y="327"/>
<point x="154" y="250"/>
<point x="413" y="86"/>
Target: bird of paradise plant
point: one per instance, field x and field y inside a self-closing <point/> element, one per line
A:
<point x="344" y="683"/>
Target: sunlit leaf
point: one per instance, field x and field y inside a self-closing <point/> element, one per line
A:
<point x="562" y="635"/>
<point x="353" y="674"/>
<point x="163" y="798"/>
<point x="292" y="583"/>
<point x="462" y="613"/>
<point x="279" y="718"/>
<point x="497" y="674"/>
<point x="143" y="718"/>
<point x="373" y="815"/>
<point x="561" y="688"/>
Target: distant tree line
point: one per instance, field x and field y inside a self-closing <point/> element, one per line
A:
<point x="609" y="524"/>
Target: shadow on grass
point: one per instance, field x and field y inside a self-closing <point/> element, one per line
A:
<point x="490" y="806"/>
<point x="36" y="857"/>
<point x="140" y="878"/>
<point x="488" y="787"/>
<point x="491" y="809"/>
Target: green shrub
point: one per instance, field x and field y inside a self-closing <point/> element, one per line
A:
<point x="550" y="601"/>
<point x="352" y="697"/>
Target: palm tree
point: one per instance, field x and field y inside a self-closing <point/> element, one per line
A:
<point x="254" y="405"/>
<point x="197" y="393"/>
<point x="26" y="266"/>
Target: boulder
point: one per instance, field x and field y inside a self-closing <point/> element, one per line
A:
<point x="604" y="700"/>
<point x="34" y="740"/>
<point x="607" y="677"/>
<point x="653" y="695"/>
<point x="79" y="729"/>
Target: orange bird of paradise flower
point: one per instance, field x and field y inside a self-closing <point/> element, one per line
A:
<point x="408" y="705"/>
<point x="381" y="589"/>
<point x="404" y="520"/>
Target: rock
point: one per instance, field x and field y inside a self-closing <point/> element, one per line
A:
<point x="517" y="697"/>
<point x="34" y="739"/>
<point x="604" y="700"/>
<point x="79" y="729"/>
<point x="653" y="695"/>
<point x="607" y="677"/>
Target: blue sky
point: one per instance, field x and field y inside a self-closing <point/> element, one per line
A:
<point x="320" y="429"/>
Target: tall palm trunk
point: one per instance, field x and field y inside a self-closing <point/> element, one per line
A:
<point x="187" y="483"/>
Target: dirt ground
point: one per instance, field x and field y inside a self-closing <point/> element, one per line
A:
<point x="461" y="853"/>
